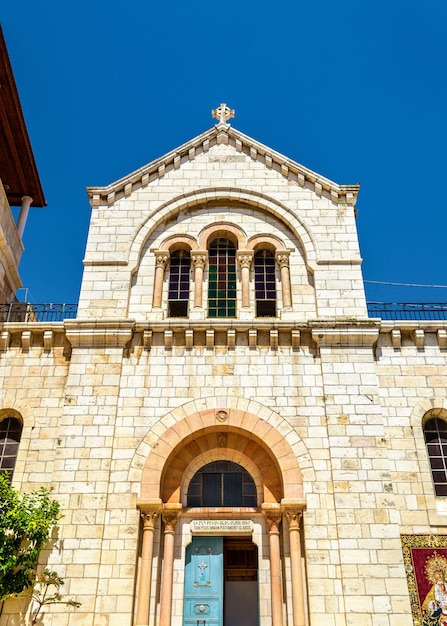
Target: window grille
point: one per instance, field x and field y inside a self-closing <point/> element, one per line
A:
<point x="435" y="433"/>
<point x="178" y="292"/>
<point x="222" y="279"/>
<point x="222" y="483"/>
<point x="10" y="434"/>
<point x="265" y="284"/>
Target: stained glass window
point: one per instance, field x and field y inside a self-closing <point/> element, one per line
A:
<point x="435" y="432"/>
<point x="178" y="293"/>
<point x="265" y="284"/>
<point x="10" y="434"/>
<point x="222" y="279"/>
<point x="222" y="483"/>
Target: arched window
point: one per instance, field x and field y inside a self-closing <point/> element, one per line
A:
<point x="222" y="279"/>
<point x="178" y="293"/>
<point x="435" y="433"/>
<point x="10" y="434"/>
<point x="265" y="283"/>
<point x="222" y="483"/>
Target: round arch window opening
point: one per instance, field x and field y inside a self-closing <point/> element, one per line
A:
<point x="221" y="483"/>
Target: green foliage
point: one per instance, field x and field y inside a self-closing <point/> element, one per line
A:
<point x="41" y="592"/>
<point x="26" y="521"/>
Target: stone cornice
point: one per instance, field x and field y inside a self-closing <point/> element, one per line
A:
<point x="99" y="333"/>
<point x="339" y="333"/>
<point x="298" y="504"/>
<point x="148" y="506"/>
<point x="219" y="333"/>
<point x="225" y="134"/>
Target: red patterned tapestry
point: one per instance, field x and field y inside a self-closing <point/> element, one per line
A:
<point x="425" y="558"/>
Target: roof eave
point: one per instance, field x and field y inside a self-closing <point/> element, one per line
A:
<point x="27" y="181"/>
<point x="223" y="133"/>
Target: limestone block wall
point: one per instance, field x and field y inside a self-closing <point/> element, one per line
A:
<point x="325" y="399"/>
<point x="32" y="382"/>
<point x="412" y="371"/>
<point x="11" y="249"/>
<point x="99" y="533"/>
<point x="350" y="403"/>
<point x="124" y="228"/>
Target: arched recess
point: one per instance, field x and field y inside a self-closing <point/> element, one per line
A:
<point x="429" y="407"/>
<point x="9" y="412"/>
<point x="224" y="195"/>
<point x="21" y="412"/>
<point x="241" y="435"/>
<point x="177" y="242"/>
<point x="215" y="444"/>
<point x="222" y="229"/>
<point x="266" y="241"/>
<point x="214" y="454"/>
<point x="426" y="409"/>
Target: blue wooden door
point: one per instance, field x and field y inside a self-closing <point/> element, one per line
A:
<point x="203" y="603"/>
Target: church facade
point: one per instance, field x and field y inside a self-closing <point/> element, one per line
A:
<point x="232" y="439"/>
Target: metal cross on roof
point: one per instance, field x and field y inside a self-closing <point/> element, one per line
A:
<point x="223" y="113"/>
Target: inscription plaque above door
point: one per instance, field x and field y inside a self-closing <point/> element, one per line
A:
<point x="221" y="526"/>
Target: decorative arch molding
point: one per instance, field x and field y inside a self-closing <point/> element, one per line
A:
<point x="21" y="411"/>
<point x="247" y="417"/>
<point x="426" y="409"/>
<point x="238" y="445"/>
<point x="435" y="407"/>
<point x="222" y="229"/>
<point x="195" y="199"/>
<point x="269" y="241"/>
<point x="177" y="242"/>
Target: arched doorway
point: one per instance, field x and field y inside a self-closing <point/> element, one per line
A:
<point x="221" y="570"/>
<point x="233" y="452"/>
<point x="221" y="582"/>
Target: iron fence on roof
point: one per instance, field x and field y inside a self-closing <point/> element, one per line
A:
<point x="436" y="311"/>
<point x="26" y="312"/>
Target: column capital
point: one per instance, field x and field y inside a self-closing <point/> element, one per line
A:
<point x="293" y="511"/>
<point x="149" y="519"/>
<point x="161" y="258"/>
<point x="293" y="517"/>
<point x="282" y="258"/>
<point x="245" y="258"/>
<point x="199" y="258"/>
<point x="170" y="516"/>
<point x="272" y="514"/>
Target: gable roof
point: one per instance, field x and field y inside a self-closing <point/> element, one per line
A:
<point x="226" y="134"/>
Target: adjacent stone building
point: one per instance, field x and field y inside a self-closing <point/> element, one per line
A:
<point x="232" y="438"/>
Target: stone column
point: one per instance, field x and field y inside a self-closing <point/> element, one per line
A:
<point x="144" y="589"/>
<point x="293" y="519"/>
<point x="273" y="518"/>
<point x="23" y="215"/>
<point x="282" y="258"/>
<point x="170" y="519"/>
<point x="199" y="259"/>
<point x="245" y="259"/>
<point x="161" y="263"/>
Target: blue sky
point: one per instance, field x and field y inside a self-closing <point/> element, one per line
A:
<point x="355" y="90"/>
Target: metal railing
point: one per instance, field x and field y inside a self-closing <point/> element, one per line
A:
<point x="424" y="311"/>
<point x="26" y="312"/>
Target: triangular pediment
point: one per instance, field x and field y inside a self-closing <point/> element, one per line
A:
<point x="222" y="133"/>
